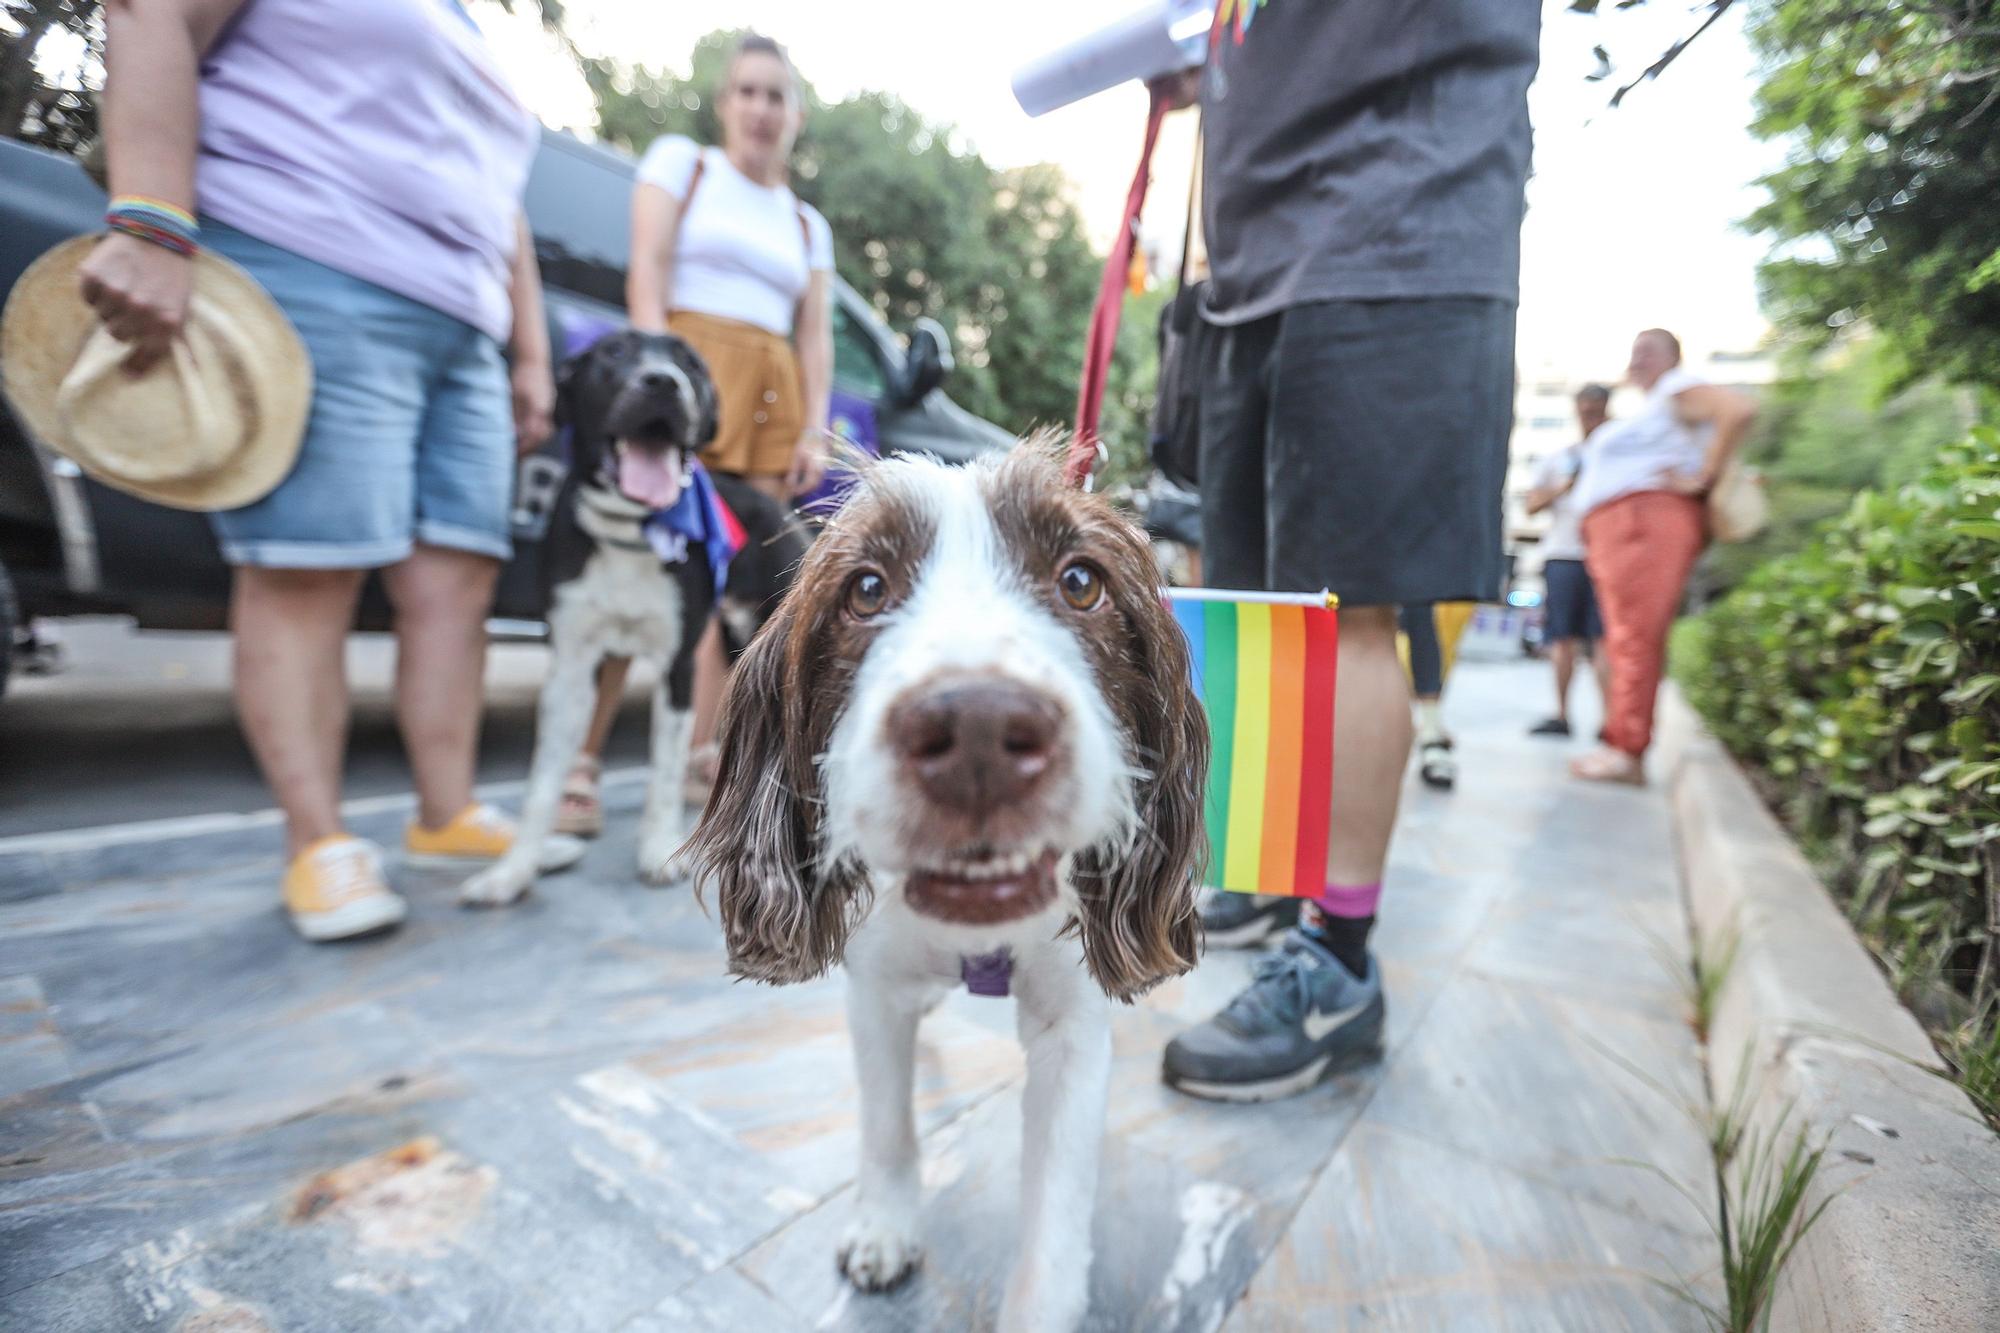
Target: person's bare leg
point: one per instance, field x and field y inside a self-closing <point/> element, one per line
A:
<point x="711" y="663"/>
<point x="1600" y="665"/>
<point x="774" y="487"/>
<point x="1562" y="655"/>
<point x="441" y="599"/>
<point x="711" y="674"/>
<point x="611" y="674"/>
<point x="290" y="650"/>
<point x="1371" y="745"/>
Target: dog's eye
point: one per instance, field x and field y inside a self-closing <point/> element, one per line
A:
<point x="1082" y="584"/>
<point x="867" y="594"/>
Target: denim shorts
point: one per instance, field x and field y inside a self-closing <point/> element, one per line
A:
<point x="410" y="437"/>
<point x="1569" y="603"/>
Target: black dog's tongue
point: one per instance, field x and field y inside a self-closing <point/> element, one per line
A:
<point x="651" y="478"/>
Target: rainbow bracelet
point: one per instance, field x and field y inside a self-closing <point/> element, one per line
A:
<point x="154" y="220"/>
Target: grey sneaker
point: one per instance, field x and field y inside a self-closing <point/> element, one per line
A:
<point x="1244" y="920"/>
<point x="1304" y="1019"/>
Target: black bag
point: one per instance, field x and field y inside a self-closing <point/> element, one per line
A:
<point x="1175" y="442"/>
<point x="1176" y="435"/>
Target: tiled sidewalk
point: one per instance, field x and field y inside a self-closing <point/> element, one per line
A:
<point x="565" y="1117"/>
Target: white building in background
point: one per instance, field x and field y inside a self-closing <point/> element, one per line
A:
<point x="1545" y="423"/>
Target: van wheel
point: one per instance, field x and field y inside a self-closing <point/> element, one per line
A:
<point x="10" y="624"/>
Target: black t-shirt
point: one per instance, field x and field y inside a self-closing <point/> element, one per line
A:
<point x="1366" y="149"/>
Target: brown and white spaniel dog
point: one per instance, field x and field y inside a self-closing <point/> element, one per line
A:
<point x="965" y="750"/>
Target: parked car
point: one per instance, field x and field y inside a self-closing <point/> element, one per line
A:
<point x="69" y="546"/>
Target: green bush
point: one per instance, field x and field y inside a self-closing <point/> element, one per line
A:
<point x="1860" y="680"/>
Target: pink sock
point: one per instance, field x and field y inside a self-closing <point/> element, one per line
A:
<point x="1350" y="900"/>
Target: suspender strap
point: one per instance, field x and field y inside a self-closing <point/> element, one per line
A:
<point x="798" y="208"/>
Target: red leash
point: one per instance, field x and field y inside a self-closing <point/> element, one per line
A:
<point x="1103" y="338"/>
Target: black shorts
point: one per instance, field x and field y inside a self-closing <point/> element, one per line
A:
<point x="1569" y="609"/>
<point x="1359" y="446"/>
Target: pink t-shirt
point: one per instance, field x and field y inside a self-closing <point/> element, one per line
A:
<point x="376" y="137"/>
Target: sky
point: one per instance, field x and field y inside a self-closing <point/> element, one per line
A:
<point x="1632" y="214"/>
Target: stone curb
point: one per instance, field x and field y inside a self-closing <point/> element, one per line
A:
<point x="1911" y="1240"/>
<point x="37" y="865"/>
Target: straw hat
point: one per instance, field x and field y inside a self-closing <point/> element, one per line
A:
<point x="215" y="424"/>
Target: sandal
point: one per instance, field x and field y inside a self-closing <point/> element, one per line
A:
<point x="1435" y="764"/>
<point x="1605" y="764"/>
<point x="703" y="763"/>
<point x="581" y="814"/>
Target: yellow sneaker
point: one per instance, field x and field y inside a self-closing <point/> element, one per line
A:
<point x="333" y="890"/>
<point x="480" y="834"/>
<point x="477" y="833"/>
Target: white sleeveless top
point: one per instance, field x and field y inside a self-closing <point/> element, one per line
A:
<point x="739" y="253"/>
<point x="1629" y="454"/>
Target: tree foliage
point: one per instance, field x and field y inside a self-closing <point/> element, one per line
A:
<point x="924" y="226"/>
<point x="51" y="64"/>
<point x="1860" y="677"/>
<point x="1834" y="423"/>
<point x="1887" y="210"/>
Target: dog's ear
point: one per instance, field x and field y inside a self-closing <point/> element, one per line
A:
<point x="708" y="412"/>
<point x="1139" y="921"/>
<point x="566" y="388"/>
<point x="785" y="916"/>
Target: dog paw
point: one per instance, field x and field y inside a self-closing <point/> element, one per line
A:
<point x="560" y="852"/>
<point x="496" y="886"/>
<point x="877" y="1255"/>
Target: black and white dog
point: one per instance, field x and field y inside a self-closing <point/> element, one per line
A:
<point x="639" y="407"/>
<point x="966" y="750"/>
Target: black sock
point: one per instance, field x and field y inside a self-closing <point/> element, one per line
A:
<point x="1345" y="937"/>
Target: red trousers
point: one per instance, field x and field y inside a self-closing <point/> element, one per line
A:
<point x="1639" y="549"/>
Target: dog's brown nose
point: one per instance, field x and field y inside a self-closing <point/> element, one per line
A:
<point x="975" y="744"/>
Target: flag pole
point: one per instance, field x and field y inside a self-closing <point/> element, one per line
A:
<point x="1323" y="599"/>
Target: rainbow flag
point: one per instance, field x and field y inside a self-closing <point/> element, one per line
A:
<point x="1264" y="668"/>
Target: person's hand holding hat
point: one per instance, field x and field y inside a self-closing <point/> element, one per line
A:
<point x="158" y="367"/>
<point x="140" y="290"/>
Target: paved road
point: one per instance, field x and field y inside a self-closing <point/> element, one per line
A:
<point x="139" y="726"/>
<point x="565" y="1116"/>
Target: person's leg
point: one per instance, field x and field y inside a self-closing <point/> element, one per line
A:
<point x="1371" y="746"/>
<point x="1592" y="636"/>
<point x="1418" y="621"/>
<point x="441" y="598"/>
<point x="711" y="663"/>
<point x="1562" y="655"/>
<point x="1641" y="550"/>
<point x="1674" y="535"/>
<point x="290" y="635"/>
<point x="612" y="673"/>
<point x="711" y="674"/>
<point x="443" y="592"/>
<point x="1385" y="455"/>
<point x="1234" y="405"/>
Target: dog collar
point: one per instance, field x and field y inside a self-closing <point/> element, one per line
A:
<point x="988" y="974"/>
<point x="612" y="519"/>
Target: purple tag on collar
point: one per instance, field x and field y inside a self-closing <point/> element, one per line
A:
<point x="988" y="973"/>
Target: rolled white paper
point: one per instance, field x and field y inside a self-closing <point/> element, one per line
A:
<point x="1164" y="37"/>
